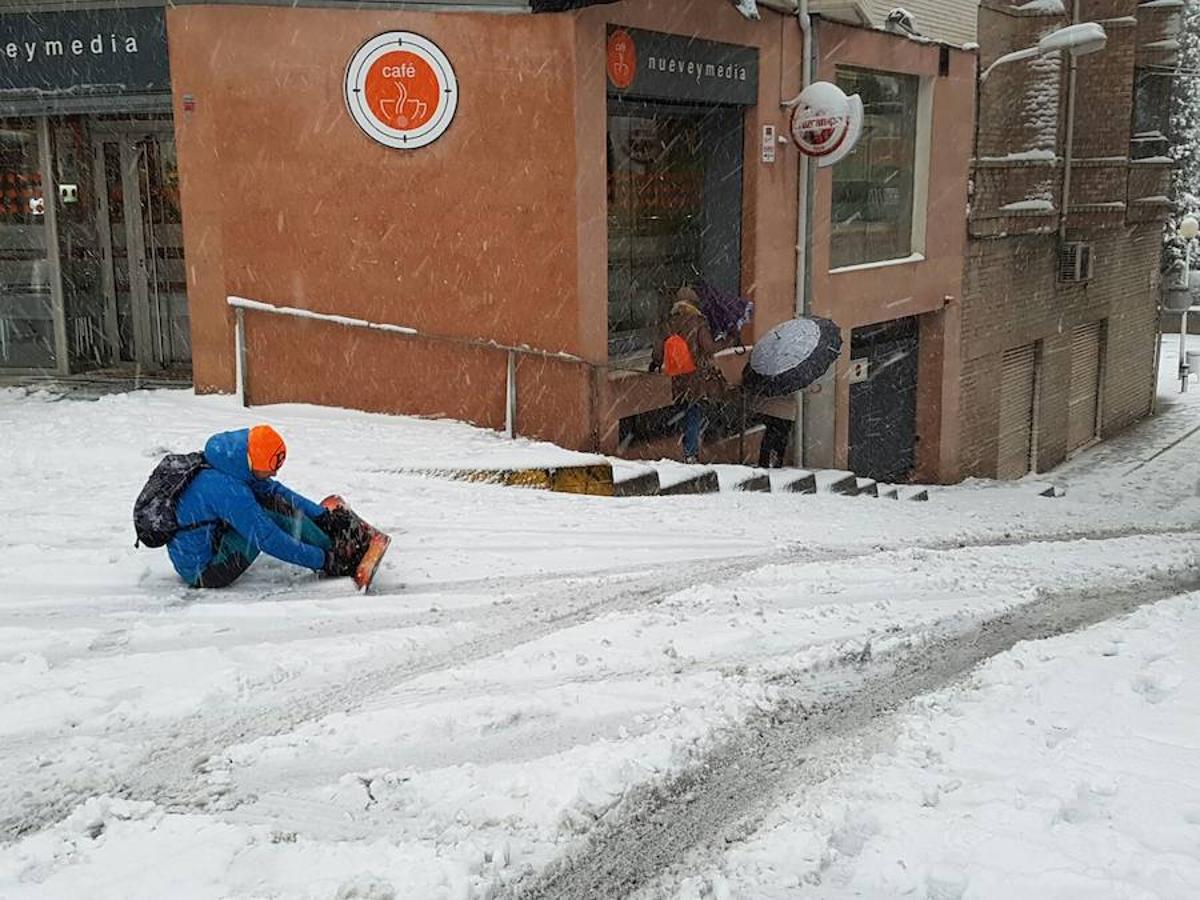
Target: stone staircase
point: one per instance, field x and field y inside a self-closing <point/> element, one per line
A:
<point x="666" y="478"/>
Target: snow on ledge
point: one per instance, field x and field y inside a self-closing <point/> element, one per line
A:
<point x="912" y="258"/>
<point x="1029" y="206"/>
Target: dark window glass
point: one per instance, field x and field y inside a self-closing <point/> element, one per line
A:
<point x="674" y="211"/>
<point x="1151" y="114"/>
<point x="873" y="186"/>
<point x="26" y="306"/>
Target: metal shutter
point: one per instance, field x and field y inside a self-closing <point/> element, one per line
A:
<point x="1017" y="375"/>
<point x="1084" y="396"/>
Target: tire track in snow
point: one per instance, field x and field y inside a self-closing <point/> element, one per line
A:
<point x="660" y="832"/>
<point x="173" y="771"/>
<point x="171" y="764"/>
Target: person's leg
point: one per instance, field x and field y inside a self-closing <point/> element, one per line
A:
<point x="776" y="440"/>
<point x="692" y="420"/>
<point x="231" y="558"/>
<point x="302" y="528"/>
<point x="764" y="447"/>
<point x="233" y="555"/>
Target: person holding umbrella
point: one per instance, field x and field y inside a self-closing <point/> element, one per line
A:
<point x="686" y="353"/>
<point x="779" y="415"/>
<point x="787" y="359"/>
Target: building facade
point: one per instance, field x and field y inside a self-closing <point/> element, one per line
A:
<point x="515" y="197"/>
<point x="596" y="159"/>
<point x="1070" y="191"/>
<point x="887" y="243"/>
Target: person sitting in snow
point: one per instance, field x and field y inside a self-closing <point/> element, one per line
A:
<point x="233" y="509"/>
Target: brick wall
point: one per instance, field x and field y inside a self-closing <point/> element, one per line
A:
<point x="1012" y="298"/>
<point x="1012" y="295"/>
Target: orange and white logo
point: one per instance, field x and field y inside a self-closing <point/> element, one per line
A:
<point x="401" y="90"/>
<point x="622" y="59"/>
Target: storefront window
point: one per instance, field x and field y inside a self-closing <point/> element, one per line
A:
<point x="873" y="187"/>
<point x="674" y="211"/>
<point x="26" y="304"/>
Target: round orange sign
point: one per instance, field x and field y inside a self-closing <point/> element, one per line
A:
<point x="401" y="89"/>
<point x="622" y="59"/>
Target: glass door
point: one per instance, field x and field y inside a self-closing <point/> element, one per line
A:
<point x="27" y="305"/>
<point x="162" y="241"/>
<point x="141" y="236"/>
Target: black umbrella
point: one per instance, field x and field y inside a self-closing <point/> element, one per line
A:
<point x="791" y="356"/>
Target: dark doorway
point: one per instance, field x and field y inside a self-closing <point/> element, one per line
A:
<point x="883" y="400"/>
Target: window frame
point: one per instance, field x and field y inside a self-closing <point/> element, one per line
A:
<point x="922" y="151"/>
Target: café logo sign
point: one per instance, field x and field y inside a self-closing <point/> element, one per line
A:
<point x="655" y="64"/>
<point x="401" y="90"/>
<point x="826" y="124"/>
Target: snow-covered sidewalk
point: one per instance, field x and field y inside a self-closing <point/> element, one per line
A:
<point x="530" y="661"/>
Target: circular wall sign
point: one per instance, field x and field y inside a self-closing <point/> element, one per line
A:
<point x="821" y="119"/>
<point x="622" y="59"/>
<point x="401" y="90"/>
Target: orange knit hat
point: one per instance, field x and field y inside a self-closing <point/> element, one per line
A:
<point x="265" y="450"/>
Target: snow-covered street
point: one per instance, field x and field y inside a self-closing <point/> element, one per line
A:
<point x="735" y="695"/>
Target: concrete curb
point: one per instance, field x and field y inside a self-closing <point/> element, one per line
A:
<point x="599" y="480"/>
<point x="595" y="480"/>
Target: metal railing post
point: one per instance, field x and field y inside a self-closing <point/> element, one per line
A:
<point x="510" y="397"/>
<point x="239" y="349"/>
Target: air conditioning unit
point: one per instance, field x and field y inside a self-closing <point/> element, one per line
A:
<point x="1074" y="262"/>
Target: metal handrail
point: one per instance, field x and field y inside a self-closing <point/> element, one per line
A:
<point x="241" y="305"/>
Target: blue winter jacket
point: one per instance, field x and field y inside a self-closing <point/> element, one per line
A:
<point x="227" y="493"/>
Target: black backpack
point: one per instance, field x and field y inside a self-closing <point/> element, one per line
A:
<point x="154" y="512"/>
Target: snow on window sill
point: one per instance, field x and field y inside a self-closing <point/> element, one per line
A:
<point x="883" y="263"/>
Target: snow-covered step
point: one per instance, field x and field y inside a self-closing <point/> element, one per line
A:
<point x="834" y="481"/>
<point x="889" y="492"/>
<point x="914" y="492"/>
<point x="793" y="481"/>
<point x="630" y="480"/>
<point x="743" y="478"/>
<point x="679" y="478"/>
<point x="866" y="487"/>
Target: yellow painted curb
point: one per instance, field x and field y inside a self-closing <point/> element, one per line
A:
<point x="595" y="480"/>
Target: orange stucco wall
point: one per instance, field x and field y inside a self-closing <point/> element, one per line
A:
<point x="931" y="287"/>
<point x="286" y="201"/>
<point x="498" y="230"/>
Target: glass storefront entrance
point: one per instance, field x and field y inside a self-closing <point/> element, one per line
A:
<point x="674" y="211"/>
<point x="91" y="268"/>
<point x="27" y="307"/>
